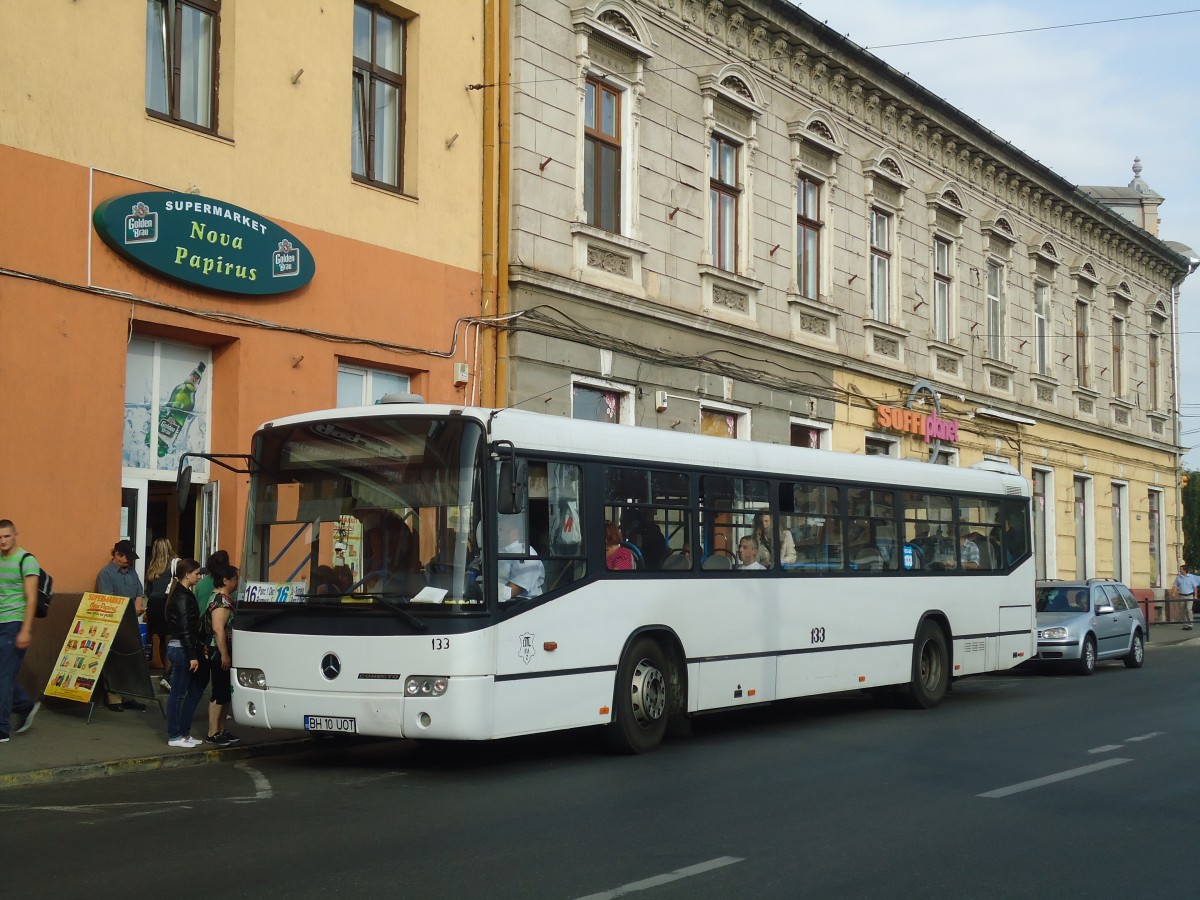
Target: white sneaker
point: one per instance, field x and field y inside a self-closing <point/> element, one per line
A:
<point x="25" y="726"/>
<point x="186" y="742"/>
<point x="164" y="684"/>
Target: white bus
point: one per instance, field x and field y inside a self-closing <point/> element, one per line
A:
<point x="426" y="571"/>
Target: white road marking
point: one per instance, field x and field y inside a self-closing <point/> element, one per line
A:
<point x="262" y="787"/>
<point x="1107" y="748"/>
<point x="1051" y="779"/>
<point x="1144" y="737"/>
<point x="656" y="880"/>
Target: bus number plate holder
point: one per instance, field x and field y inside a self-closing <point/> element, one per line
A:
<point x="340" y="724"/>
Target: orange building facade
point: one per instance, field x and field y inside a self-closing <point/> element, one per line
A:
<point x="113" y="367"/>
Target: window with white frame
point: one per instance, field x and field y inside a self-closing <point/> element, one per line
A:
<point x="812" y="435"/>
<point x="1082" y="343"/>
<point x="1041" y="327"/>
<point x="602" y="155"/>
<point x="881" y="265"/>
<point x="601" y="402"/>
<point x="723" y="422"/>
<point x="357" y="386"/>
<point x="875" y="445"/>
<point x="724" y="197"/>
<point x="377" y="130"/>
<point x="183" y="40"/>
<point x="1118" y="356"/>
<point x="943" y="288"/>
<point x="995" y="310"/>
<point x="808" y="237"/>
<point x="1153" y="387"/>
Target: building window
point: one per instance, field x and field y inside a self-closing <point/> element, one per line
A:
<point x="357" y="386"/>
<point x="1082" y="340"/>
<point x="881" y="264"/>
<point x="1155" y="537"/>
<point x="1119" y="517"/>
<point x="812" y="436"/>
<point x="599" y="403"/>
<point x="724" y="195"/>
<point x="182" y="43"/>
<point x="725" y="423"/>
<point x="1041" y="327"/>
<point x="995" y="310"/>
<point x="808" y="237"/>
<point x="1118" y="357"/>
<point x="1043" y="498"/>
<point x="942" y="288"/>
<point x="377" y="133"/>
<point x="602" y="156"/>
<point x="1083" y="541"/>
<point x="877" y="446"/>
<point x="1152" y="371"/>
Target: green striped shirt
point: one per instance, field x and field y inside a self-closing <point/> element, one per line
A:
<point x="12" y="584"/>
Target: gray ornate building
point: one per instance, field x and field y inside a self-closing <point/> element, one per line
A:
<point x="724" y="217"/>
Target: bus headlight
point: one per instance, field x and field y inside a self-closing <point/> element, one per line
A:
<point x="252" y="678"/>
<point x="425" y="685"/>
<point x="1053" y="634"/>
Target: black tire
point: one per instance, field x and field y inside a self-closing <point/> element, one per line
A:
<point x="1136" y="657"/>
<point x="1087" y="656"/>
<point x="640" y="701"/>
<point x="930" y="668"/>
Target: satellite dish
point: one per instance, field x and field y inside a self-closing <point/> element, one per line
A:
<point x="183" y="487"/>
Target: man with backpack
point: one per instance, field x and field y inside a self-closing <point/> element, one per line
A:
<point x="19" y="573"/>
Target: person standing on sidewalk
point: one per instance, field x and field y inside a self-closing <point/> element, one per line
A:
<point x="158" y="579"/>
<point x="18" y="606"/>
<point x="120" y="579"/>
<point x="189" y="666"/>
<point x="220" y="656"/>
<point x="1185" y="590"/>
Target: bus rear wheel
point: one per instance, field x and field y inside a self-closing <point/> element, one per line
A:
<point x="640" y="703"/>
<point x="930" y="668"/>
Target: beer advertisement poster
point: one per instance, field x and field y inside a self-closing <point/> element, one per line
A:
<point x="167" y="403"/>
<point x="87" y="644"/>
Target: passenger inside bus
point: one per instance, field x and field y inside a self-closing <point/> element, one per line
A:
<point x="391" y="560"/>
<point x="748" y="554"/>
<point x="764" y="534"/>
<point x="643" y="532"/>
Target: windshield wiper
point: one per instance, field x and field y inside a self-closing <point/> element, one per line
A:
<point x="402" y="614"/>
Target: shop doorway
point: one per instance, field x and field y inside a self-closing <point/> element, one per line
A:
<point x="149" y="511"/>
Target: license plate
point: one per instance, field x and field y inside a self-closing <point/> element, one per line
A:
<point x="330" y="723"/>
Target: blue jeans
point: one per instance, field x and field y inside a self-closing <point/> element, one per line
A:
<point x="187" y="687"/>
<point x="12" y="695"/>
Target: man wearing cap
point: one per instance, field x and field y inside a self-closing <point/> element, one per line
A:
<point x="120" y="579"/>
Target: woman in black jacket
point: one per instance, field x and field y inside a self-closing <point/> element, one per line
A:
<point x="189" y="671"/>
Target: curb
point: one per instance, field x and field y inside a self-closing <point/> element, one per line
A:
<point x="106" y="768"/>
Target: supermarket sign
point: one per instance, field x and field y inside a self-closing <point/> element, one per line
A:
<point x="204" y="242"/>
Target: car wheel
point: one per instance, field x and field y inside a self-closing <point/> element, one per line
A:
<point x="1087" y="658"/>
<point x="1137" y="651"/>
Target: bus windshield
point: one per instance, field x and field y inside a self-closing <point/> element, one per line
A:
<point x="366" y="513"/>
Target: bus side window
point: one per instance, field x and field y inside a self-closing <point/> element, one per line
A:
<point x="556" y="521"/>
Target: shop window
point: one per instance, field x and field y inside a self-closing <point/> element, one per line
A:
<point x="183" y="40"/>
<point x="167" y="404"/>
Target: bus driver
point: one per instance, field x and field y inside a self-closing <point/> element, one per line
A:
<point x="519" y="579"/>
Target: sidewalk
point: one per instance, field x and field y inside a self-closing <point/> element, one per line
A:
<point x="61" y="746"/>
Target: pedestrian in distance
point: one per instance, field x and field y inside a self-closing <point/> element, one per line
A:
<point x="120" y="579"/>
<point x="158" y="579"/>
<point x="219" y="624"/>
<point x="1185" y="590"/>
<point x="18" y="606"/>
<point x="189" y="667"/>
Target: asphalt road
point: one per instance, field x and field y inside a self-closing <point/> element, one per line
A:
<point x="1019" y="785"/>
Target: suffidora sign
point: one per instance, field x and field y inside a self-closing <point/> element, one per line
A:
<point x="204" y="242"/>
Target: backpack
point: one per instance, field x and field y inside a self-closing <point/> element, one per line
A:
<point x="45" y="589"/>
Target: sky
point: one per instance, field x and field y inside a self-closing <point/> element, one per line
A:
<point x="1083" y="100"/>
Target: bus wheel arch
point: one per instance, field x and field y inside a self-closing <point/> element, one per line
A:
<point x="931" y="663"/>
<point x="649" y="691"/>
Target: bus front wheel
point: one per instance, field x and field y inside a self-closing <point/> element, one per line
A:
<point x="640" y="704"/>
<point x="930" y="668"/>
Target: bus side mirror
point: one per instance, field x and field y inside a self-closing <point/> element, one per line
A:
<point x="513" y="489"/>
<point x="183" y="487"/>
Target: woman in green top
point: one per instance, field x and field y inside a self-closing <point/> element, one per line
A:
<point x="220" y="657"/>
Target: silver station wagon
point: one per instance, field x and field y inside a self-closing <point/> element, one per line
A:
<point x="1083" y="622"/>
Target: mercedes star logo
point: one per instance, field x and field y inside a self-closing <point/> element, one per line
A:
<point x="331" y="666"/>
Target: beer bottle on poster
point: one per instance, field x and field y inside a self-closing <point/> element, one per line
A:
<point x="174" y="414"/>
